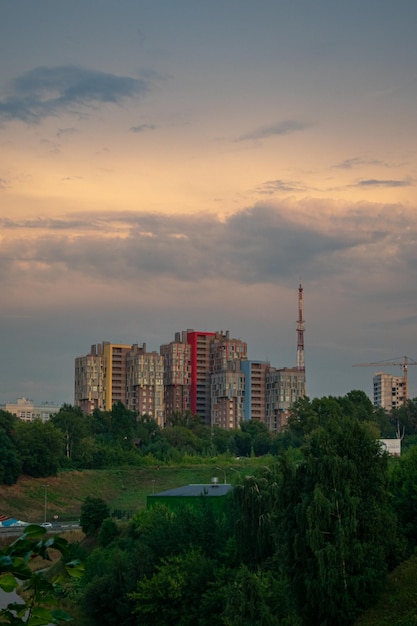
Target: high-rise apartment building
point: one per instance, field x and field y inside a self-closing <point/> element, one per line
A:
<point x="283" y="387"/>
<point x="177" y="375"/>
<point x="224" y="349"/>
<point x="100" y="377"/>
<point x="115" y="389"/>
<point x="191" y="361"/>
<point x="200" y="402"/>
<point x="255" y="389"/>
<point x="145" y="383"/>
<point x="89" y="380"/>
<point x="389" y="391"/>
<point x="228" y="396"/>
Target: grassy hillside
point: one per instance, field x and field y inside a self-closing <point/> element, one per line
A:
<point x="123" y="489"/>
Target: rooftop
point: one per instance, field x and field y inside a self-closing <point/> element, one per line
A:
<point x="212" y="490"/>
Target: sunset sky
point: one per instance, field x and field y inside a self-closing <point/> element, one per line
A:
<point x="174" y="164"/>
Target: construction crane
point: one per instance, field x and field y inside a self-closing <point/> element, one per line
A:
<point x="402" y="361"/>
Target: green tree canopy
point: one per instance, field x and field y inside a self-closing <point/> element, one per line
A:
<point x="10" y="463"/>
<point x="72" y="423"/>
<point x="338" y="530"/>
<point x="93" y="513"/>
<point x="39" y="444"/>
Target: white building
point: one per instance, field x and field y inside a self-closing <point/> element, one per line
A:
<point x="26" y="410"/>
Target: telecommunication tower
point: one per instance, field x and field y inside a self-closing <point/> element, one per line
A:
<point x="300" y="332"/>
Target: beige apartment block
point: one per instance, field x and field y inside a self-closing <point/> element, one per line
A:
<point x="145" y="382"/>
<point x="89" y="380"/>
<point x="283" y="387"/>
<point x="100" y="377"/>
<point x="27" y="411"/>
<point x="389" y="391"/>
<point x="177" y="376"/>
<point x="224" y="349"/>
<point x="228" y="396"/>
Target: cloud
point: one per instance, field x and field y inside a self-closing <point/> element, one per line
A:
<point x="65" y="131"/>
<point x="271" y="186"/>
<point x="374" y="182"/>
<point x="263" y="244"/>
<point x="286" y="127"/>
<point x="48" y="91"/>
<point x="142" y="128"/>
<point x="355" y="162"/>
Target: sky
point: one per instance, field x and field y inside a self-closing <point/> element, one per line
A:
<point x="169" y="165"/>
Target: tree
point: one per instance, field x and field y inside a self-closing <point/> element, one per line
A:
<point x="72" y="423"/>
<point x="108" y="532"/>
<point x="363" y="409"/>
<point x="123" y="424"/>
<point x="254" y="507"/>
<point x="147" y="430"/>
<point x="39" y="444"/>
<point x="173" y="594"/>
<point x="224" y="440"/>
<point x="7" y="421"/>
<point x="260" y="436"/>
<point x="10" y="465"/>
<point x="181" y="438"/>
<point x="404" y="493"/>
<point x="404" y="419"/>
<point x="93" y="512"/>
<point x="338" y="530"/>
<point x="109" y="578"/>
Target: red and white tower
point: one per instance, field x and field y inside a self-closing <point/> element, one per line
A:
<point x="300" y="332"/>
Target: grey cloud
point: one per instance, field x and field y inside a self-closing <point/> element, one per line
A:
<point x="46" y="91"/>
<point x="47" y="224"/>
<point x="285" y="127"/>
<point x="142" y="128"/>
<point x="354" y="162"/>
<point x="271" y="186"/>
<point x="258" y="245"/>
<point x="374" y="182"/>
<point x="65" y="131"/>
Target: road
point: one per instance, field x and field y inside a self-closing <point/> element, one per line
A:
<point x="55" y="529"/>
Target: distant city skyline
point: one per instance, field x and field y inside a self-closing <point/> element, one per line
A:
<point x="181" y="164"/>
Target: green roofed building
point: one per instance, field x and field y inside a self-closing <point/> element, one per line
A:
<point x="190" y="494"/>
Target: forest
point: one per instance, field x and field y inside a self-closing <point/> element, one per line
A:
<point x="308" y="539"/>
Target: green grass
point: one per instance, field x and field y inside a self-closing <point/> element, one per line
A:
<point x="123" y="489"/>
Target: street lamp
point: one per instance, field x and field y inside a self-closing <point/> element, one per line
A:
<point x="45" y="502"/>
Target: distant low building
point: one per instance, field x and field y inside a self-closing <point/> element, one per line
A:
<point x="392" y="446"/>
<point x="27" y="411"/>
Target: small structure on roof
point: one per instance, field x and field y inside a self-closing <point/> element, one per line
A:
<point x="190" y="495"/>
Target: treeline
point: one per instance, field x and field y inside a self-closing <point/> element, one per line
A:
<point x="308" y="540"/>
<point x="118" y="437"/>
